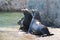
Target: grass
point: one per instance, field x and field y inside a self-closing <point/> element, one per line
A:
<point x="9" y="18"/>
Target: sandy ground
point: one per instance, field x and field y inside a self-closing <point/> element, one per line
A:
<point x="14" y="34"/>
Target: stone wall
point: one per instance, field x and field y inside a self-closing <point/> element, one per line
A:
<point x="50" y="11"/>
<point x="11" y="5"/>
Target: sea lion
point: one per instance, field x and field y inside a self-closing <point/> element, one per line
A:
<point x="25" y="21"/>
<point x="36" y="27"/>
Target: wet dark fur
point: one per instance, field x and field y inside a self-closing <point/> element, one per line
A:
<point x="26" y="23"/>
<point x="42" y="30"/>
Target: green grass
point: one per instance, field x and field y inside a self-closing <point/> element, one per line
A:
<point x="9" y="18"/>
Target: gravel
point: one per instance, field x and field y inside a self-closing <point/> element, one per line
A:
<point x="14" y="34"/>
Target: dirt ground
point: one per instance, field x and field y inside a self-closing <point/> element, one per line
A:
<point x="14" y="34"/>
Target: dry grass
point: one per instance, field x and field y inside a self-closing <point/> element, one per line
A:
<point x="14" y="34"/>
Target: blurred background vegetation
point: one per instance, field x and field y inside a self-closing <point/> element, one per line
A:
<point x="9" y="19"/>
<point x="49" y="10"/>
